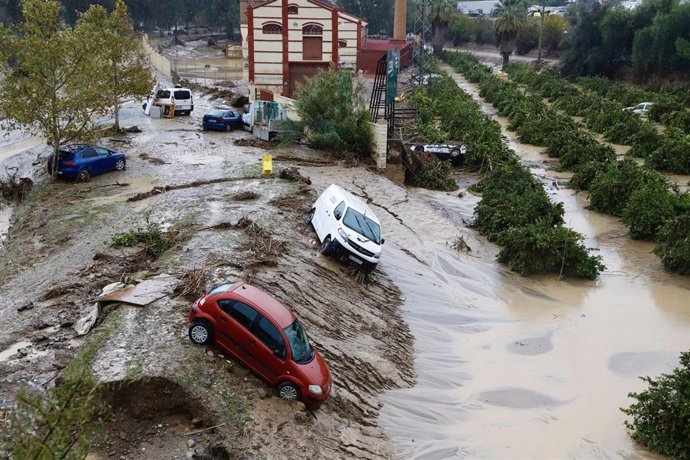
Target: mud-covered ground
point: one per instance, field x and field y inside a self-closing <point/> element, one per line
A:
<point x="164" y="390"/>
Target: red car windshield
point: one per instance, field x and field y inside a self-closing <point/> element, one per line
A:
<point x="297" y="338"/>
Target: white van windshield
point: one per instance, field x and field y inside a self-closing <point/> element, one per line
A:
<point x="362" y="225"/>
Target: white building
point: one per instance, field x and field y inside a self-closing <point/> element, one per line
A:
<point x="286" y="42"/>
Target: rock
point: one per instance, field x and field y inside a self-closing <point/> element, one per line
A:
<point x="191" y="443"/>
<point x="133" y="129"/>
<point x="40" y="324"/>
<point x="197" y="422"/>
<point x="263" y="394"/>
<point x="86" y="322"/>
<point x="37" y="338"/>
<point x="28" y="306"/>
<point x="112" y="287"/>
<point x="301" y="417"/>
<point x="122" y="435"/>
<point x="65" y="323"/>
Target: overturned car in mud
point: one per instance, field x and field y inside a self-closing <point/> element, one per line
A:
<point x="262" y="333"/>
<point x="454" y="152"/>
<point x="347" y="229"/>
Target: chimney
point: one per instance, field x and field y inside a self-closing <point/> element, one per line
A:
<point x="400" y="20"/>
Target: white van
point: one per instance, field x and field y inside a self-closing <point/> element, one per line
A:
<point x="347" y="228"/>
<point x="178" y="96"/>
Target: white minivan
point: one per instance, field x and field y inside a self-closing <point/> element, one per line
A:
<point x="347" y="228"/>
<point x="180" y="97"/>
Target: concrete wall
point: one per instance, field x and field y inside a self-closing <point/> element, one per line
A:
<point x="289" y="106"/>
<point x="157" y="60"/>
<point x="380" y="143"/>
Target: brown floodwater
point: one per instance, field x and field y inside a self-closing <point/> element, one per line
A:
<point x="514" y="367"/>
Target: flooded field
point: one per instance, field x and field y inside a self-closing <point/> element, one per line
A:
<point x="512" y="367"/>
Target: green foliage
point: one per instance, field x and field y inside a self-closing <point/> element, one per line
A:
<point x="646" y="141"/>
<point x="512" y="197"/>
<point x="333" y="114"/>
<point x="674" y="242"/>
<point x="673" y="153"/>
<point x="555" y="28"/>
<point x="610" y="190"/>
<point x="528" y="38"/>
<point x="538" y="248"/>
<point x="511" y="18"/>
<point x="151" y="238"/>
<point x="649" y="207"/>
<point x="437" y="175"/>
<point x="661" y="415"/>
<point x="654" y="47"/>
<point x="123" y="69"/>
<point x="60" y="425"/>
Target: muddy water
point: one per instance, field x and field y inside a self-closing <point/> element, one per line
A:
<point x="512" y="367"/>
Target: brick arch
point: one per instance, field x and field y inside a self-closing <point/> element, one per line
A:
<point x="272" y="28"/>
<point x="312" y="28"/>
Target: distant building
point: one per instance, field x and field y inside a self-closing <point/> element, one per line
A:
<point x="287" y="42"/>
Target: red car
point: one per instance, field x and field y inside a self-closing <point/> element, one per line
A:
<point x="262" y="333"/>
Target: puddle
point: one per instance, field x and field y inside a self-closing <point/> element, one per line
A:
<point x="13" y="350"/>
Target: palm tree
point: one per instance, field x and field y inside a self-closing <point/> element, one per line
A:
<point x="511" y="16"/>
<point x="439" y="12"/>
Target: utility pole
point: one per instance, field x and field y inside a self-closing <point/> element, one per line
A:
<point x="541" y="29"/>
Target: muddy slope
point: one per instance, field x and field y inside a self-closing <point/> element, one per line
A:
<point x="58" y="257"/>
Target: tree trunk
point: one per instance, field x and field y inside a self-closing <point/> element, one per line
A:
<point x="56" y="152"/>
<point x="437" y="38"/>
<point x="117" y="118"/>
<point x="506" y="57"/>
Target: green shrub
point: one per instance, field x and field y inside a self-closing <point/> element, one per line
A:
<point x="151" y="238"/>
<point x="679" y="119"/>
<point x="661" y="415"/>
<point x="674" y="243"/>
<point x="437" y="175"/>
<point x="649" y="207"/>
<point x="673" y="153"/>
<point x="645" y="141"/>
<point x="540" y="248"/>
<point x="610" y="190"/>
<point x="62" y="424"/>
<point x="662" y="106"/>
<point x="332" y="110"/>
<point x="512" y="197"/>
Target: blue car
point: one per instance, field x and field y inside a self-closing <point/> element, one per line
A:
<point x="222" y="119"/>
<point x="81" y="161"/>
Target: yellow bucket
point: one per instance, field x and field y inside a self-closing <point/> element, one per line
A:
<point x="267" y="165"/>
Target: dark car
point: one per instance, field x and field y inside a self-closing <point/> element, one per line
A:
<point x="222" y="119"/>
<point x="81" y="161"/>
<point x="262" y="333"/>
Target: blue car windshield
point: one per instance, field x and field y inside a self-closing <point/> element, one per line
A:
<point x="297" y="338"/>
<point x="362" y="225"/>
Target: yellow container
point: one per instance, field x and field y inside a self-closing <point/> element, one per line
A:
<point x="267" y="162"/>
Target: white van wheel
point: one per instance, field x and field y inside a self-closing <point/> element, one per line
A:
<point x="326" y="246"/>
<point x="310" y="216"/>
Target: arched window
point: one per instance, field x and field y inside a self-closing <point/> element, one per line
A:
<point x="272" y="28"/>
<point x="342" y="44"/>
<point x="312" y="29"/>
<point x="293" y="9"/>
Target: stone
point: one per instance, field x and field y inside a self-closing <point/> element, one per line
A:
<point x="37" y="338"/>
<point x="191" y="443"/>
<point x="40" y="324"/>
<point x="197" y="422"/>
<point x="301" y="417"/>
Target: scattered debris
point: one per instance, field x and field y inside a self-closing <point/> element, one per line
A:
<point x="152" y="160"/>
<point x="166" y="188"/>
<point x="59" y="291"/>
<point x="459" y="244"/>
<point x="28" y="306"/>
<point x="88" y="321"/>
<point x="132" y="129"/>
<point x="192" y="285"/>
<point x="245" y="195"/>
<point x="13" y="188"/>
<point x="254" y="142"/>
<point x="141" y="294"/>
<point x="293" y="174"/>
